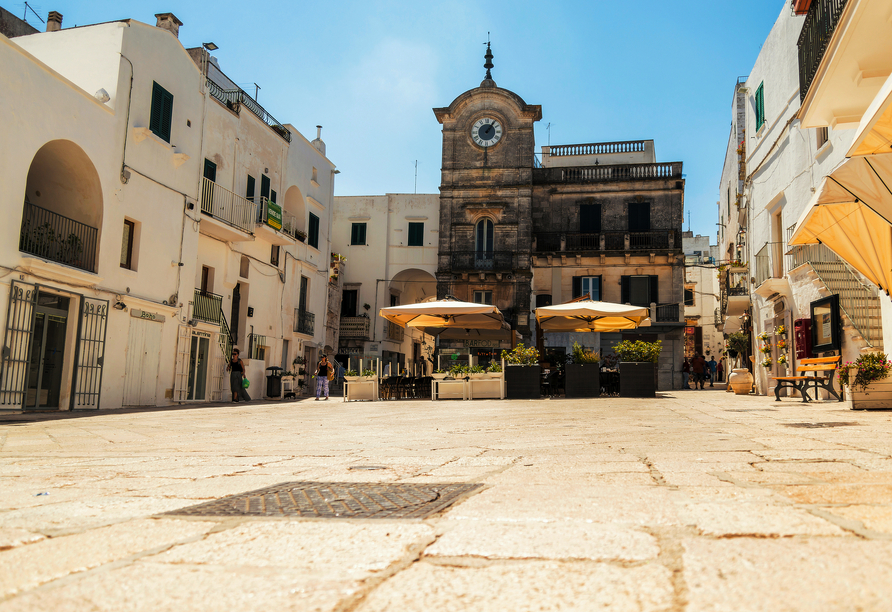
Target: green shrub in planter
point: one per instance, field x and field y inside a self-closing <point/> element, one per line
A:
<point x="639" y="351"/>
<point x="522" y="376"/>
<point x="638" y="367"/>
<point x="521" y="355"/>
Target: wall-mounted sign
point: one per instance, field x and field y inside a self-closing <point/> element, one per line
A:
<point x="350" y="350"/>
<point x="148" y="316"/>
<point x="274" y="215"/>
<point x="482" y="343"/>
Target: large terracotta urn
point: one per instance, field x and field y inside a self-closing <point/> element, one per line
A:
<point x="740" y="381"/>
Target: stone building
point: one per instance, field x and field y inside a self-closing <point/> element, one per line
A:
<point x="598" y="219"/>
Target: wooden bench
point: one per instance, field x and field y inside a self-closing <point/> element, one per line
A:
<point x="801" y="383"/>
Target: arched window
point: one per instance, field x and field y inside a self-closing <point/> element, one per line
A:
<point x="483" y="239"/>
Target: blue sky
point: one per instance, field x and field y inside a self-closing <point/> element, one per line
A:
<point x="370" y="73"/>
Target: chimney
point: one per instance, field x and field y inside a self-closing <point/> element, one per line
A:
<point x="318" y="144"/>
<point x="169" y="22"/>
<point x="54" y="21"/>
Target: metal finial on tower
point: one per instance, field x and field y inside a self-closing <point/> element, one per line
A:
<point x="488" y="57"/>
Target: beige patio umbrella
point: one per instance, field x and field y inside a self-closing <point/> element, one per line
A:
<point x="851" y="213"/>
<point x="589" y="315"/>
<point x="445" y="313"/>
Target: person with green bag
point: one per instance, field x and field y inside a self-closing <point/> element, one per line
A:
<point x="236" y="369"/>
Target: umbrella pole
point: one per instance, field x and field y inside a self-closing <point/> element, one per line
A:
<point x="540" y="341"/>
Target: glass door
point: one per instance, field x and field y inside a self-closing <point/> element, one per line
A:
<point x="198" y="368"/>
<point x="47" y="352"/>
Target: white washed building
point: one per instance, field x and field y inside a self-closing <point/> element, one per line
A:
<point x="701" y="298"/>
<point x="112" y="230"/>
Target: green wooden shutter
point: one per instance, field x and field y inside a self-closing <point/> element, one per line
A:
<point x="210" y="170"/>
<point x="313" y="233"/>
<point x="416" y="234"/>
<point x="249" y="189"/>
<point x="655" y="288"/>
<point x="625" y="284"/>
<point x="161" y="114"/>
<point x="760" y="106"/>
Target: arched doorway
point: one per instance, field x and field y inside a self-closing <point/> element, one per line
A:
<point x="294" y="213"/>
<point x="62" y="212"/>
<point x="409" y="349"/>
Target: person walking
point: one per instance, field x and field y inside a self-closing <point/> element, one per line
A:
<point x="685" y="374"/>
<point x="698" y="365"/>
<point x="322" y="377"/>
<point x="236" y="369"/>
<point x="713" y="367"/>
<point x="720" y="371"/>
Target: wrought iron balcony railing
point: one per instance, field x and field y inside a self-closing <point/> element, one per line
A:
<point x="236" y="98"/>
<point x="226" y="206"/>
<point x="304" y="322"/>
<point x="820" y="23"/>
<point x="354" y="328"/>
<point x="289" y="221"/>
<point x="607" y="173"/>
<point x="55" y="237"/>
<point x="207" y="307"/>
<point x="654" y="240"/>
<point x="668" y="313"/>
<point x="489" y="260"/>
<point x="736" y="283"/>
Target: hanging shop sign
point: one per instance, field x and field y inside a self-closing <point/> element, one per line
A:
<point x="148" y="316"/>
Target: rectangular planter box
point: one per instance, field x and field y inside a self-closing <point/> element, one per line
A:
<point x="582" y="380"/>
<point x="877" y="396"/>
<point x="637" y="379"/>
<point x="522" y="382"/>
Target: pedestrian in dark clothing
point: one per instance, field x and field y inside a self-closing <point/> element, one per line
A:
<point x="713" y="366"/>
<point x="236" y="369"/>
<point x="698" y="365"/>
<point x="686" y="374"/>
<point x="720" y="371"/>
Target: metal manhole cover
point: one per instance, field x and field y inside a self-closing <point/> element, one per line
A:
<point x="820" y="425"/>
<point x="336" y="500"/>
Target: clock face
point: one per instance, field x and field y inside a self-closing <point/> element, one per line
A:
<point x="486" y="132"/>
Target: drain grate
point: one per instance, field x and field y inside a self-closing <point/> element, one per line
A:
<point x="820" y="425"/>
<point x="336" y="500"/>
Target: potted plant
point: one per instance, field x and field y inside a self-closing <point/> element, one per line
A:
<point x="352" y="376"/>
<point x="494" y="369"/>
<point x="458" y="371"/>
<point x="766" y="362"/>
<point x="439" y="374"/>
<point x="740" y="380"/>
<point x="638" y="367"/>
<point x="522" y="374"/>
<point x="477" y="371"/>
<point x="583" y="376"/>
<point x="867" y="382"/>
<point x="369" y="374"/>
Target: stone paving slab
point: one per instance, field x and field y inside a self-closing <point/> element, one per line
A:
<point x="687" y="502"/>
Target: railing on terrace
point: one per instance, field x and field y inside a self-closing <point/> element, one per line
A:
<point x="667" y="313"/>
<point x="55" y="237"/>
<point x="492" y="260"/>
<point x="304" y="322"/>
<point x="224" y="205"/>
<point x="236" y="98"/>
<point x="394" y="332"/>
<point x="820" y="23"/>
<point x="354" y="328"/>
<point x="207" y="306"/>
<point x="769" y="262"/>
<point x="289" y="221"/>
<point x="598" y="148"/>
<point x="606" y="241"/>
<point x="256" y="346"/>
<point x="736" y="283"/>
<point x="607" y="173"/>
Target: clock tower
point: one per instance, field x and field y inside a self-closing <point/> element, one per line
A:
<point x="486" y="199"/>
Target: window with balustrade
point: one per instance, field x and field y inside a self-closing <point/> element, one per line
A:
<point x="484" y="236"/>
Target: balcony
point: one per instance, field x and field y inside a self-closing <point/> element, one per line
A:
<point x="275" y="225"/>
<point x="207" y="307"/>
<point x="820" y="23"/>
<point x="394" y="332"/>
<point x="354" y="328"/>
<point x="599" y="148"/>
<point x="51" y="236"/>
<point x="235" y="99"/>
<point x="572" y="242"/>
<point x="608" y="173"/>
<point x="736" y="298"/>
<point x="304" y="322"/>
<point x="492" y="260"/>
<point x="769" y="270"/>
<point x="228" y="216"/>
<point x="668" y="313"/>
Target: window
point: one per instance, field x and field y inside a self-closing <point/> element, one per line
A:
<point x="483" y="297"/>
<point x="348" y="302"/>
<point x="590" y="218"/>
<point x="313" y="231"/>
<point x="416" y="234"/>
<point x="210" y="170"/>
<point x="760" y="107"/>
<point x="484" y="239"/>
<point x="639" y="290"/>
<point x="639" y="216"/>
<point x="244" y="266"/>
<point x="823" y="135"/>
<point x="162" y="112"/>
<point x="207" y="279"/>
<point x="394" y="299"/>
<point x="304" y="293"/>
<point x="274" y="255"/>
<point x="249" y="189"/>
<point x="127" y="244"/>
<point x="357" y="233"/>
<point x="264" y="186"/>
<point x="689" y="296"/>
<point x="587" y="286"/>
<point x="543" y="299"/>
<point x="315" y="176"/>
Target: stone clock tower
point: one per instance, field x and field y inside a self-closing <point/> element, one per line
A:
<point x="486" y="199"/>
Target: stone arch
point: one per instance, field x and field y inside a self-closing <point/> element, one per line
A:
<point x="413" y="285"/>
<point x="63" y="207"/>
<point x="296" y="205"/>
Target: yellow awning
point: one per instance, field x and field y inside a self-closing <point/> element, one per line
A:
<point x="874" y="134"/>
<point x="851" y="213"/>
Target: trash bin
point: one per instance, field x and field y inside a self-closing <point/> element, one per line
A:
<point x="274" y="382"/>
